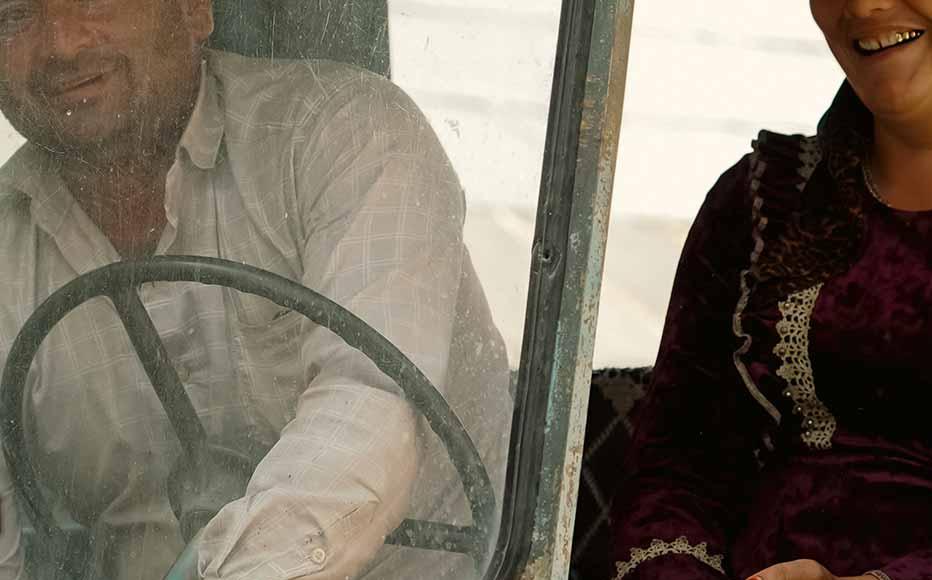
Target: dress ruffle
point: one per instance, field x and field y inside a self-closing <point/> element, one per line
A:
<point x="808" y="234"/>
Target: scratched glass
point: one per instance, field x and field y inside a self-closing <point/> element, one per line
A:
<point x="256" y="318"/>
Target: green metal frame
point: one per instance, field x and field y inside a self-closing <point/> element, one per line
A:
<point x="351" y="31"/>
<point x="563" y="299"/>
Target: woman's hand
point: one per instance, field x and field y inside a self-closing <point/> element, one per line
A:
<point x="802" y="570"/>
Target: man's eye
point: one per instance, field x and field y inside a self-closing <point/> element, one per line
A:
<point x="15" y="17"/>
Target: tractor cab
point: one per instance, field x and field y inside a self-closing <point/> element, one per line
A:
<point x="209" y="408"/>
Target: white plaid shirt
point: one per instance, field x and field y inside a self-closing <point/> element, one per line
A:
<point x="325" y="174"/>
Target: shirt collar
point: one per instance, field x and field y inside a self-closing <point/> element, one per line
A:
<point x="204" y="134"/>
<point x="32" y="172"/>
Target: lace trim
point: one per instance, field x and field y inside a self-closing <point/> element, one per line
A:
<point x="793" y="349"/>
<point x="809" y="157"/>
<point x="660" y="548"/>
<point x="760" y="222"/>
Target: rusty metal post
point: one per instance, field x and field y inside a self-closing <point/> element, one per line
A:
<point x="570" y="375"/>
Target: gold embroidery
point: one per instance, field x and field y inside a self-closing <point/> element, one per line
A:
<point x="660" y="548"/>
<point x="793" y="349"/>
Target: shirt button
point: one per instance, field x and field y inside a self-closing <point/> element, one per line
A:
<point x="318" y="556"/>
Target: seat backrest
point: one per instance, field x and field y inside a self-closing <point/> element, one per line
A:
<point x="352" y="31"/>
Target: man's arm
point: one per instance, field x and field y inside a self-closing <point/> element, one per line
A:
<point x="382" y="213"/>
<point x="11" y="554"/>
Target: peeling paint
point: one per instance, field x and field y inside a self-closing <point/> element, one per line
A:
<point x="569" y="392"/>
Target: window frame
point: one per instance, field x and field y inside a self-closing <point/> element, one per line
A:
<point x="568" y="250"/>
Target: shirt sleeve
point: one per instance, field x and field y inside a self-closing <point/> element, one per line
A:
<point x="691" y="458"/>
<point x="12" y="565"/>
<point x="383" y="215"/>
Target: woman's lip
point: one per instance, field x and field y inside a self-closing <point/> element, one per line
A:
<point x="890" y="49"/>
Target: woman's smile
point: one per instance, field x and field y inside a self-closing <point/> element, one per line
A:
<point x="879" y="43"/>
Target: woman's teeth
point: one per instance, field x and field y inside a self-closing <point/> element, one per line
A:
<point x="889" y="40"/>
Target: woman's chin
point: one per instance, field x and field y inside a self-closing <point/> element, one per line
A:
<point x="899" y="100"/>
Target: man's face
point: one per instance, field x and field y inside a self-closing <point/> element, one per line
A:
<point x="885" y="49"/>
<point x="75" y="74"/>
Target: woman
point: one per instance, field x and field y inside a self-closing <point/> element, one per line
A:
<point x="788" y="433"/>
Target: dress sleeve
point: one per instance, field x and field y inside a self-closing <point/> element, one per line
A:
<point x="383" y="214"/>
<point x="692" y="456"/>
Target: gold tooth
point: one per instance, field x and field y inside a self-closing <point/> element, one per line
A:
<point x="900" y="37"/>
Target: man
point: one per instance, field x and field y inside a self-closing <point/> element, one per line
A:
<point x="141" y="142"/>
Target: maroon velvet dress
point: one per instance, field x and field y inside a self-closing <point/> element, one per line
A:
<point x="790" y="414"/>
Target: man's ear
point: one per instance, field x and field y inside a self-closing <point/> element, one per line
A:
<point x="201" y="18"/>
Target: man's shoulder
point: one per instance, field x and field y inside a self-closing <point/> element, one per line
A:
<point x="23" y="170"/>
<point x="17" y="226"/>
<point x="289" y="92"/>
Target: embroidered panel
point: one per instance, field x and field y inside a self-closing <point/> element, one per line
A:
<point x="793" y="349"/>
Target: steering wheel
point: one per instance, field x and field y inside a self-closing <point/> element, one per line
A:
<point x="195" y="491"/>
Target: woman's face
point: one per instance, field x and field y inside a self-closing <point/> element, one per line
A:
<point x="885" y="49"/>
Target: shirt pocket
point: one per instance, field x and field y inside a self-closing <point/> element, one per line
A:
<point x="271" y="369"/>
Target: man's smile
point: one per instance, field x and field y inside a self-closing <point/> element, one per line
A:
<point x="77" y="89"/>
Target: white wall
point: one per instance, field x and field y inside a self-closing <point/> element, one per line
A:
<point x="704" y="77"/>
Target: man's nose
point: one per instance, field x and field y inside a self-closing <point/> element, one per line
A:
<point x="867" y="8"/>
<point x="65" y="32"/>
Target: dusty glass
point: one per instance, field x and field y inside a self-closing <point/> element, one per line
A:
<point x="285" y="247"/>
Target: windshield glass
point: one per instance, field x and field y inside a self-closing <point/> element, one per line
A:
<point x="316" y="219"/>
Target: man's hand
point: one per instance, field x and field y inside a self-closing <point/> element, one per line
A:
<point x="801" y="570"/>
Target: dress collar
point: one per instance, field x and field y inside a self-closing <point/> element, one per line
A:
<point x="847" y="127"/>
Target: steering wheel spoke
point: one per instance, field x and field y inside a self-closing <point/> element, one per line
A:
<point x="162" y="374"/>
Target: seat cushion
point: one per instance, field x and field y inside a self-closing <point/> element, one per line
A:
<point x="613" y="404"/>
<point x="351" y="31"/>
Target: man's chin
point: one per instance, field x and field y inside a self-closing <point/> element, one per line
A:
<point x="87" y="136"/>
